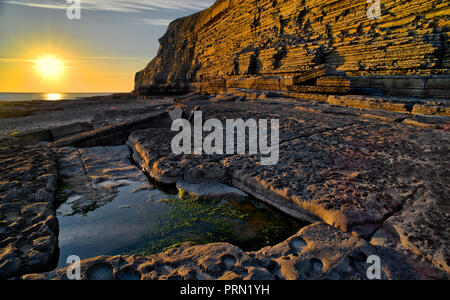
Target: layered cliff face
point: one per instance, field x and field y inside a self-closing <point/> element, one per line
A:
<point x="287" y="44"/>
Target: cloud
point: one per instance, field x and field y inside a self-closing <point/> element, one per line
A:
<point x="154" y="22"/>
<point x="81" y="59"/>
<point x="15" y="60"/>
<point x="119" y="5"/>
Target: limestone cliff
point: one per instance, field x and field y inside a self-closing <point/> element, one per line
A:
<point x="288" y="44"/>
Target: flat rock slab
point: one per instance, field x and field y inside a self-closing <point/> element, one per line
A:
<point x="152" y="153"/>
<point x="115" y="134"/>
<point x="210" y="190"/>
<point x="21" y="116"/>
<point x="421" y="227"/>
<point x="28" y="226"/>
<point x="363" y="177"/>
<point x="349" y="170"/>
<point x="346" y="169"/>
<point x="434" y="122"/>
<point x="416" y="106"/>
<point x="318" y="251"/>
<point x="350" y="176"/>
<point x="91" y="176"/>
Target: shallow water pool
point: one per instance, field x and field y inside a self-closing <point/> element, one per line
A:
<point x="150" y="221"/>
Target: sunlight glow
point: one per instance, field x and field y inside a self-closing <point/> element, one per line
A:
<point x="53" y="97"/>
<point x="49" y="67"/>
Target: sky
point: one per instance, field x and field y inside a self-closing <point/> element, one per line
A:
<point x="42" y="51"/>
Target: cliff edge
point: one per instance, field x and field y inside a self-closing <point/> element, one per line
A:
<point x="306" y="47"/>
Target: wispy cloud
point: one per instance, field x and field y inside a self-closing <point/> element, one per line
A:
<point x="15" y="60"/>
<point x="110" y="58"/>
<point x="81" y="59"/>
<point x="153" y="22"/>
<point x="119" y="5"/>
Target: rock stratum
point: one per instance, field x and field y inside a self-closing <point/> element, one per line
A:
<point x="310" y="48"/>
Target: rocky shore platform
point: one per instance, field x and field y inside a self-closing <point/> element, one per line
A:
<point x="369" y="181"/>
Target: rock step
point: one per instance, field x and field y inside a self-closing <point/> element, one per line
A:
<point x="52" y="134"/>
<point x="416" y="106"/>
<point x="115" y="134"/>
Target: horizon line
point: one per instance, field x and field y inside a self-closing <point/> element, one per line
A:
<point x="116" y="92"/>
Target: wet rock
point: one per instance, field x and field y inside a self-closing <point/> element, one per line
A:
<point x="91" y="177"/>
<point x="100" y="272"/>
<point x="210" y="190"/>
<point x="354" y="173"/>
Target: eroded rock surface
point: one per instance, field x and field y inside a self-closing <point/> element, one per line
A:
<point x="210" y="190"/>
<point x="318" y="251"/>
<point x="28" y="226"/>
<point x="350" y="169"/>
<point x="375" y="183"/>
<point x="422" y="226"/>
<point x="152" y="153"/>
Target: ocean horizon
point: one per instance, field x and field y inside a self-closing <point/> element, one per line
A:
<point x="47" y="96"/>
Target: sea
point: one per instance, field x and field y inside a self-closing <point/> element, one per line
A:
<point x="47" y="96"/>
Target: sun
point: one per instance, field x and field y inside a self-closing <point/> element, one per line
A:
<point x="49" y="67"/>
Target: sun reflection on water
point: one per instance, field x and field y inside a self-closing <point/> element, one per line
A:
<point x="53" y="97"/>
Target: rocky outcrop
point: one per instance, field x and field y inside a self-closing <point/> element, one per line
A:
<point x="315" y="252"/>
<point x="28" y="225"/>
<point x="359" y="171"/>
<point x="372" y="182"/>
<point x="308" y="47"/>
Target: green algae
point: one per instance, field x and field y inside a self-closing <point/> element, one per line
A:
<point x="245" y="223"/>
